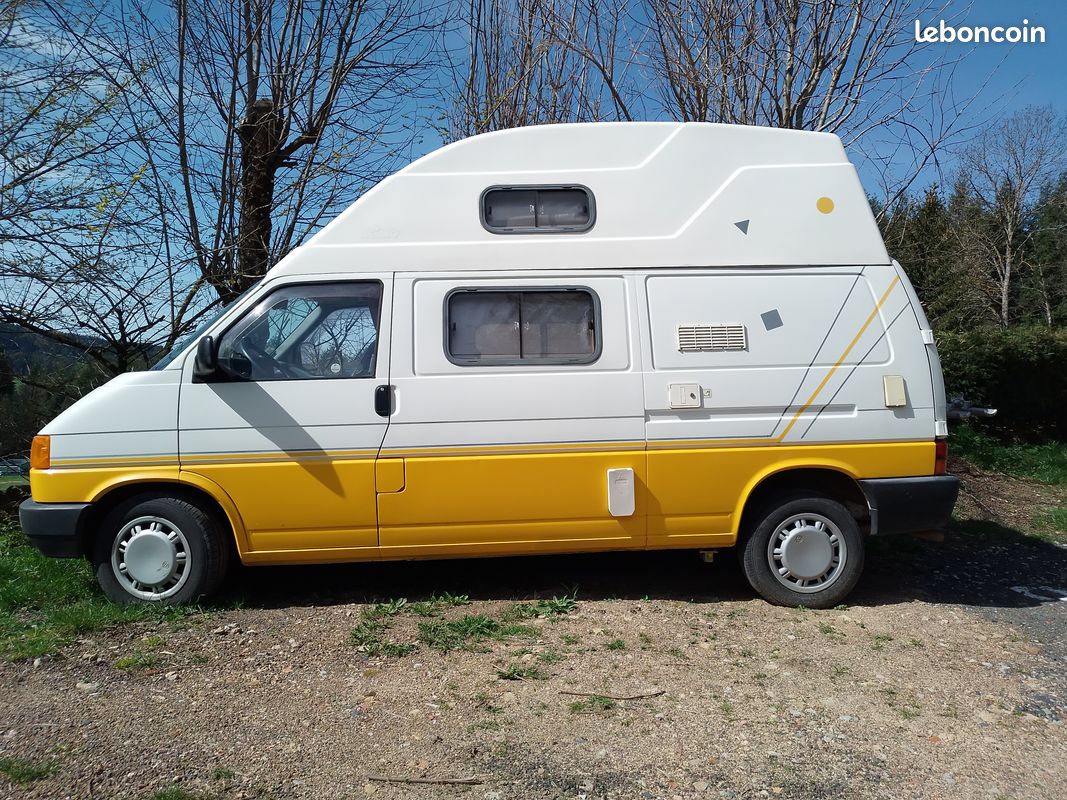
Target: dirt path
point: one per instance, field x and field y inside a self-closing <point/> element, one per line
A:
<point x="941" y="679"/>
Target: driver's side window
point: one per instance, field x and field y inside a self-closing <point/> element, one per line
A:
<point x="313" y="331"/>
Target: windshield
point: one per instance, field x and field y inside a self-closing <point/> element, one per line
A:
<point x="188" y="339"/>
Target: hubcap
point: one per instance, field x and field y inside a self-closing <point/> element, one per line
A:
<point x="806" y="553"/>
<point x="150" y="558"/>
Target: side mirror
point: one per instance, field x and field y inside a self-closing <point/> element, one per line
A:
<point x="207" y="359"/>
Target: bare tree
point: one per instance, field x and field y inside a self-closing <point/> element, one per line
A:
<point x="79" y="263"/>
<point x="1002" y="174"/>
<point x="1048" y="255"/>
<point x="267" y="117"/>
<point x="156" y="163"/>
<point x="850" y="67"/>
<point x="529" y="62"/>
<point x="54" y="129"/>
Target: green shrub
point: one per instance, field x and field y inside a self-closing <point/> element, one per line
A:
<point x="1022" y="372"/>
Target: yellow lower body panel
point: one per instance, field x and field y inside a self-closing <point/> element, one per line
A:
<point x="452" y="505"/>
<point x="430" y="506"/>
<point x="696" y="495"/>
<point x="300" y="506"/>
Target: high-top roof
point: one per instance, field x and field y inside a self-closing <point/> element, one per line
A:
<point x="666" y="194"/>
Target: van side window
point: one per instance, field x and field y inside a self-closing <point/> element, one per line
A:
<point x="522" y="326"/>
<point x="327" y="330"/>
<point x="538" y="209"/>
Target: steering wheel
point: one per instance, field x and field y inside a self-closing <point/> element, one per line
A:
<point x="262" y="362"/>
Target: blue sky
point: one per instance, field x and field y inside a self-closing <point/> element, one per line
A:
<point x="1006" y="77"/>
<point x="1020" y="74"/>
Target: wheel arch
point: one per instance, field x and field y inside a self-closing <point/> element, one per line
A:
<point x="835" y="481"/>
<point x="187" y="485"/>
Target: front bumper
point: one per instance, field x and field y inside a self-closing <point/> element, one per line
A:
<point x="910" y="505"/>
<point x="55" y="528"/>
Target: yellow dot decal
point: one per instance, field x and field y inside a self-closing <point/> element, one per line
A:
<point x="825" y="205"/>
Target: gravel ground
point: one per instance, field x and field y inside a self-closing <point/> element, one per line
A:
<point x="945" y="676"/>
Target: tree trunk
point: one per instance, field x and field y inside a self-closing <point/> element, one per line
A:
<point x="1005" y="284"/>
<point x="259" y="162"/>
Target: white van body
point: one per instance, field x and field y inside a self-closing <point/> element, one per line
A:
<point x="748" y="341"/>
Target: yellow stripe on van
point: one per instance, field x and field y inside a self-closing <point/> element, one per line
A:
<point x="842" y="357"/>
<point x="539" y="448"/>
<point x="276" y="455"/>
<point x="116" y="459"/>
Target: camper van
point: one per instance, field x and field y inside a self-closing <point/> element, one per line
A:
<point x="555" y="339"/>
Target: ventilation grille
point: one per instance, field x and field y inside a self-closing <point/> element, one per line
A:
<point x="701" y="338"/>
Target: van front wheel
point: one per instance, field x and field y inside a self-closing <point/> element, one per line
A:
<point x="161" y="549"/>
<point x="803" y="551"/>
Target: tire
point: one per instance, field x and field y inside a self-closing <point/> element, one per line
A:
<point x="809" y="532"/>
<point x="180" y="554"/>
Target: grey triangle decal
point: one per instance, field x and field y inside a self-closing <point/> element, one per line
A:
<point x="742" y="226"/>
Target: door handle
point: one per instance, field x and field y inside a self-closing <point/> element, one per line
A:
<point x="383" y="400"/>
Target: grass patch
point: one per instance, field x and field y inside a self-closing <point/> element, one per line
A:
<point x="616" y="644"/>
<point x="468" y="632"/>
<point x="552" y="607"/>
<point x="1055" y="520"/>
<point x="880" y="641"/>
<point x="138" y="659"/>
<point x="178" y="793"/>
<point x="1046" y="462"/>
<point x="830" y="632"/>
<point x="47" y="602"/>
<point x="222" y="774"/>
<point x="520" y="672"/>
<point x="369" y="636"/>
<point x="597" y="704"/>
<point x="23" y="772"/>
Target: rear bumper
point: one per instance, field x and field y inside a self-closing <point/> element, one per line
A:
<point x="910" y="505"/>
<point x="54" y="528"/>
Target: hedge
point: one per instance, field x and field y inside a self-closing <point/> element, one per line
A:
<point x="1022" y="372"/>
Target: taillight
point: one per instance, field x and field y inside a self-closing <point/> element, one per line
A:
<point x="940" y="456"/>
<point x="41" y="452"/>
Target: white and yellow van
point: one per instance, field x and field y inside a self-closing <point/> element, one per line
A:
<point x="555" y="339"/>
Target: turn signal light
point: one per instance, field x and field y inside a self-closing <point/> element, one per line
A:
<point x="41" y="452"/>
<point x="940" y="457"/>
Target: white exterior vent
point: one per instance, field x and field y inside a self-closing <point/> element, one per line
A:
<point x="701" y="338"/>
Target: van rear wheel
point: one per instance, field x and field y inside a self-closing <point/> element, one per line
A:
<point x="157" y="548"/>
<point x="803" y="551"/>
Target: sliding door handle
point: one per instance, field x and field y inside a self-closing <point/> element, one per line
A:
<point x="383" y="400"/>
